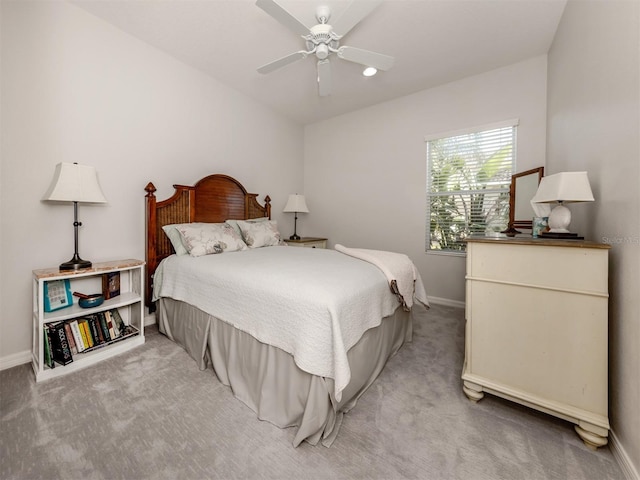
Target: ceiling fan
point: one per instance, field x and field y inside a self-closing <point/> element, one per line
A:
<point x="323" y="39"/>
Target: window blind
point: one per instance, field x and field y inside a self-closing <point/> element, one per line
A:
<point x="468" y="179"/>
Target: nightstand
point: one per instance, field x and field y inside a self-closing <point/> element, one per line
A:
<point x="309" y="242"/>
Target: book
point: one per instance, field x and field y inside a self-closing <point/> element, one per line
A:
<point x="86" y="336"/>
<point x="87" y="328"/>
<point x="61" y="352"/>
<point x="116" y="328"/>
<point x="112" y="332"/>
<point x="102" y="318"/>
<point x="110" y="285"/>
<point x="57" y="294"/>
<point x="46" y="340"/>
<point x="96" y="330"/>
<point x="117" y="320"/>
<point x="77" y="336"/>
<point x="103" y="339"/>
<point x="70" y="338"/>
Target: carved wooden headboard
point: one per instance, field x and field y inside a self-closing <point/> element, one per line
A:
<point x="213" y="199"/>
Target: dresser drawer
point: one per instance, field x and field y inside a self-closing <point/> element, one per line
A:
<point x="554" y="267"/>
<point x="548" y="343"/>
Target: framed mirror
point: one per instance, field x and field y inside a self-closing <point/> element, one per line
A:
<point x="523" y="187"/>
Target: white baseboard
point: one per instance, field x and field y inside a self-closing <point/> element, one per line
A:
<point x="621" y="456"/>
<point x="14" y="360"/>
<point x="149" y="319"/>
<point x="446" y="302"/>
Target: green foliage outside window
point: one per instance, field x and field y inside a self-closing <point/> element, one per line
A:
<point x="468" y="186"/>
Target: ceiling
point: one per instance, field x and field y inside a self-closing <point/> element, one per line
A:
<point x="433" y="42"/>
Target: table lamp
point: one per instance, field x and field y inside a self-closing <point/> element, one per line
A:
<point x="296" y="204"/>
<point x="562" y="188"/>
<point x="78" y="184"/>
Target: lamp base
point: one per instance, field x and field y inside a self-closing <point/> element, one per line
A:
<point x="75" y="264"/>
<point x="294" y="237"/>
<point x="559" y="219"/>
<point x="561" y="235"/>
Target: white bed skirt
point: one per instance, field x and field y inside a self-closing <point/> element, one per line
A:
<point x="266" y="378"/>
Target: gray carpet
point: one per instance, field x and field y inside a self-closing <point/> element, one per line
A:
<point x="151" y="413"/>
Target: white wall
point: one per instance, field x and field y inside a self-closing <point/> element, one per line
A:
<point x="365" y="172"/>
<point x="76" y="89"/>
<point x="594" y="125"/>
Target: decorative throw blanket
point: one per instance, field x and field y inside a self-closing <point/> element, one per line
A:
<point x="404" y="280"/>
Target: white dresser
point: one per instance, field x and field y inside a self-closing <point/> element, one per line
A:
<point x="536" y="331"/>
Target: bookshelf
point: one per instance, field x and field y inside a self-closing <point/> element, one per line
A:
<point x="128" y="303"/>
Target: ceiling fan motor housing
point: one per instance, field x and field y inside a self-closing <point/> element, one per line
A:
<point x="322" y="40"/>
<point x="322" y="51"/>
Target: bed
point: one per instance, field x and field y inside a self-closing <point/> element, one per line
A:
<point x="298" y="334"/>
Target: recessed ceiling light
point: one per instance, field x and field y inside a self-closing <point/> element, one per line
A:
<point x="369" y="71"/>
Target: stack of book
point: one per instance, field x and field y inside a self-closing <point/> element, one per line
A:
<point x="62" y="340"/>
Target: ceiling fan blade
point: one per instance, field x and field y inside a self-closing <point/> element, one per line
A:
<point x="324" y="78"/>
<point x="281" y="62"/>
<point x="284" y="17"/>
<point x="355" y="12"/>
<point x="365" y="57"/>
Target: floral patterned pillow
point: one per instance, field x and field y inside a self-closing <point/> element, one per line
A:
<point x="176" y="238"/>
<point x="234" y="223"/>
<point x="260" y="234"/>
<point x="210" y="238"/>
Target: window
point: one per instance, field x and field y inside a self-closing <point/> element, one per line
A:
<point x="468" y="179"/>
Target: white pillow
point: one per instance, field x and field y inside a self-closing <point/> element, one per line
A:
<point x="174" y="236"/>
<point x="234" y="223"/>
<point x="210" y="238"/>
<point x="260" y="234"/>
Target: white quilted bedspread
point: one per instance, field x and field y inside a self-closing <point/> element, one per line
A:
<point x="312" y="303"/>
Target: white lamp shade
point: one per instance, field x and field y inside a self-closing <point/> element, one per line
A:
<point x="296" y="203"/>
<point x="564" y="187"/>
<point x="75" y="183"/>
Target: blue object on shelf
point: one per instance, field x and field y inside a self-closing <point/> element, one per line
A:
<point x="57" y="295"/>
<point x="94" y="300"/>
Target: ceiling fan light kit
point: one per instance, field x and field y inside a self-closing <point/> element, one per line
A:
<point x="323" y="40"/>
